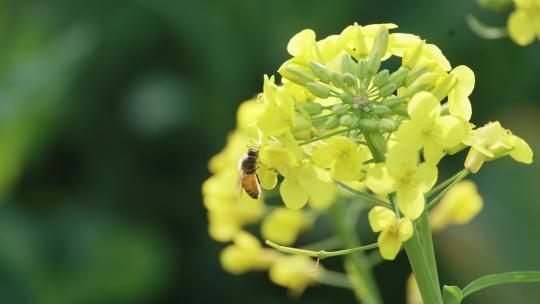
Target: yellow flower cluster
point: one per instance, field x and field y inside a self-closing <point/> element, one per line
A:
<point x="337" y="115"/>
<point x="524" y="22"/>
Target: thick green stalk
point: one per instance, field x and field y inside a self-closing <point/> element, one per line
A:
<point x="424" y="232"/>
<point x="421" y="271"/>
<point x="347" y="232"/>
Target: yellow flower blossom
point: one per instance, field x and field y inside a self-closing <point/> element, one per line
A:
<point x="524" y="22"/>
<point x="295" y="272"/>
<point x="458" y="206"/>
<point x="282" y="225"/>
<point x="344" y="157"/>
<point x="246" y="254"/>
<point x="428" y="129"/>
<point x="459" y="104"/>
<point x="278" y="114"/>
<point x="393" y="231"/>
<point x="493" y="141"/>
<point x="402" y="173"/>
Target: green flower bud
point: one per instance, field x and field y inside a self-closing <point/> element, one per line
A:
<point x="331" y="123"/>
<point x="381" y="78"/>
<point x="350" y="79"/>
<point x="398" y="77"/>
<point x="347" y="64"/>
<point x="296" y="75"/>
<point x="368" y="125"/>
<point x="388" y="125"/>
<point x="380" y="43"/>
<point x="443" y="88"/>
<point x="340" y="109"/>
<point x="377" y="141"/>
<point x="380" y="110"/>
<point x="401" y="110"/>
<point x="361" y="44"/>
<point x="387" y="89"/>
<point x="346" y="97"/>
<point x="394" y="101"/>
<point x="337" y="79"/>
<point x="320" y="71"/>
<point x="348" y="120"/>
<point x="301" y="123"/>
<point x="374" y="62"/>
<point x="361" y="69"/>
<point x="425" y="82"/>
<point x="415" y="73"/>
<point x="312" y="108"/>
<point x="302" y="135"/>
<point x="318" y="89"/>
<point x="410" y="60"/>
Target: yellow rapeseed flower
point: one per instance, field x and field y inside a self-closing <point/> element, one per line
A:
<point x="524" y="22"/>
<point x="493" y="141"/>
<point x="402" y="173"/>
<point x="246" y="254"/>
<point x="393" y="231"/>
<point x="295" y="272"/>
<point x="282" y="225"/>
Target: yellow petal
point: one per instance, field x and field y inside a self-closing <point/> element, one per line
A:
<point x="278" y="157"/>
<point x="310" y="181"/>
<point x="301" y="43"/>
<point x="433" y="152"/>
<point x="267" y="177"/>
<point x="389" y="244"/>
<point x="521" y="27"/>
<point x="402" y="160"/>
<point x="522" y="152"/>
<point x="410" y="201"/>
<point x="425" y="177"/>
<point x="409" y="132"/>
<point x="293" y="194"/>
<point x="424" y="108"/>
<point x="381" y="218"/>
<point x="405" y="229"/>
<point x="452" y="130"/>
<point x="465" y="80"/>
<point x="379" y="180"/>
<point x="459" y="105"/>
<point x="282" y="225"/>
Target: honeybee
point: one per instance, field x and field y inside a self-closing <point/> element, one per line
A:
<point x="248" y="173"/>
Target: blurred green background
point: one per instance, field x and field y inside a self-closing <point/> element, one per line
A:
<point x="109" y="111"/>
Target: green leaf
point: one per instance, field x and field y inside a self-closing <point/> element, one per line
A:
<point x="501" y="278"/>
<point x="452" y="295"/>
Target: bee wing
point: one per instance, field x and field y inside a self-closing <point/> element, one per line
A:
<point x="239" y="186"/>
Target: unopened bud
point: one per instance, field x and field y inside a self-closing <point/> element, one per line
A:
<point x="361" y="69"/>
<point x="346" y="97"/>
<point x="415" y="73"/>
<point x="380" y="110"/>
<point x="312" y="108"/>
<point x="410" y="59"/>
<point x="368" y="125"/>
<point x="331" y="123"/>
<point x="387" y="89"/>
<point x="388" y="125"/>
<point x="337" y="79"/>
<point x="474" y="161"/>
<point x="381" y="78"/>
<point x="296" y="75"/>
<point x="401" y="110"/>
<point x="394" y="101"/>
<point x="301" y="123"/>
<point x="350" y="80"/>
<point x="318" y="89"/>
<point x="347" y="64"/>
<point x="348" y="120"/>
<point x="443" y="88"/>
<point x="320" y="71"/>
<point x="426" y="82"/>
<point x="374" y="62"/>
<point x="398" y="77"/>
<point x="339" y="109"/>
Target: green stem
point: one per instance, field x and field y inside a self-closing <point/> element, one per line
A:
<point x="424" y="232"/>
<point x="333" y="278"/>
<point x="455" y="179"/>
<point x="447" y="182"/>
<point x="421" y="271"/>
<point x="321" y="254"/>
<point x="370" y="198"/>
<point x="346" y="230"/>
<point x="314" y="139"/>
